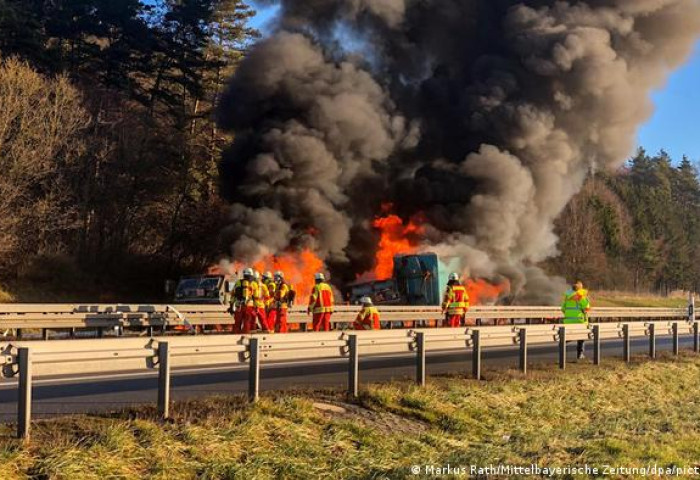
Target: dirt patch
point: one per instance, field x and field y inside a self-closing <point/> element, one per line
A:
<point x="385" y="422"/>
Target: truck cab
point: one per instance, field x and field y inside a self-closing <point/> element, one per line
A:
<point x="415" y="281"/>
<point x="203" y="289"/>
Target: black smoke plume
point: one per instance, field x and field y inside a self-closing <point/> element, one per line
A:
<point x="486" y="116"/>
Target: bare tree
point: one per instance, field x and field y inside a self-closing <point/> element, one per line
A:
<point x="40" y="144"/>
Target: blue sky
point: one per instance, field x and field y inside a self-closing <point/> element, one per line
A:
<point x="673" y="126"/>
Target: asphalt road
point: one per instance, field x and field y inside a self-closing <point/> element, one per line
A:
<point x="63" y="395"/>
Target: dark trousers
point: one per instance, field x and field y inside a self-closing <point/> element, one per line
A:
<point x="580" y="347"/>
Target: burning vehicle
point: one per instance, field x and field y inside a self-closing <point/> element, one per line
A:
<point x="203" y="289"/>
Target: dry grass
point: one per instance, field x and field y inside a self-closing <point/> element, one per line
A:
<point x="614" y="414"/>
<point x="5" y="296"/>
<point x="627" y="299"/>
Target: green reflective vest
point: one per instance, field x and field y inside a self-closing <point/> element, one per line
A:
<point x="575" y="306"/>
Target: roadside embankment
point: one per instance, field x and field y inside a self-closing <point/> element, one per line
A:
<point x="615" y="414"/>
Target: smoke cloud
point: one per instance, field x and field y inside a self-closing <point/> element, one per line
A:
<point x="483" y="117"/>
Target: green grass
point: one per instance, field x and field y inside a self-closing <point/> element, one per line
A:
<point x="622" y="299"/>
<point x="615" y="414"/>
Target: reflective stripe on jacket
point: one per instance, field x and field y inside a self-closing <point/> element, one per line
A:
<point x="321" y="300"/>
<point x="575" y="306"/>
<point x="456" y="300"/>
<point x="367" y="319"/>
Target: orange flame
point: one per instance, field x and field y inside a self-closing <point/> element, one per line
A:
<point x="482" y="292"/>
<point x="217" y="270"/>
<point x="396" y="238"/>
<point x="298" y="267"/>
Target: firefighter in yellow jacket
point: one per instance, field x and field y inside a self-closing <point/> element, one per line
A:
<point x="321" y="304"/>
<point x="270" y="311"/>
<point x="455" y="303"/>
<point x="261" y="296"/>
<point x="368" y="318"/>
<point x="284" y="297"/>
<point x="243" y="302"/>
<point x="575" y="307"/>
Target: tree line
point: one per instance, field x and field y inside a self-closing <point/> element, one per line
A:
<point x="637" y="229"/>
<point x="108" y="143"/>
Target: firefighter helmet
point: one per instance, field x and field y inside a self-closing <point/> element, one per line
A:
<point x="248" y="272"/>
<point x="279" y="275"/>
<point x="256" y="274"/>
<point x="366" y="301"/>
<point x="267" y="276"/>
<point x="319" y="277"/>
<point x="454" y="277"/>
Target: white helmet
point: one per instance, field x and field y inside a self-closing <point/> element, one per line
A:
<point x="267" y="275"/>
<point x="256" y="274"/>
<point x="454" y="277"/>
<point x="279" y="275"/>
<point x="248" y="272"/>
<point x="366" y="301"/>
<point x="320" y="277"/>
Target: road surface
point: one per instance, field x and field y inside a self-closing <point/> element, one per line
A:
<point x="99" y="393"/>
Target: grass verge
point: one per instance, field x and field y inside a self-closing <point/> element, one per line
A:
<point x="625" y="299"/>
<point x="625" y="415"/>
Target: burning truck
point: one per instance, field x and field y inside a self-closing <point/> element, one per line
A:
<point x="416" y="280"/>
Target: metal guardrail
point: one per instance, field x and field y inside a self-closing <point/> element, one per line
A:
<point x="150" y="318"/>
<point x="29" y="359"/>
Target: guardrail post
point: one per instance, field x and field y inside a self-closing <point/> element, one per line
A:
<point x="163" y="380"/>
<point x="149" y="330"/>
<point x="476" y="354"/>
<point x="44" y="333"/>
<point x="72" y="332"/>
<point x="652" y="341"/>
<point x="696" y="337"/>
<point x="691" y="307"/>
<point x="626" y="350"/>
<point x="522" y="334"/>
<point x="100" y="332"/>
<point x="353" y="367"/>
<point x="596" y="344"/>
<point x="420" y="358"/>
<point x="24" y="405"/>
<point x="254" y="372"/>
<point x="19" y="333"/>
<point x="674" y="329"/>
<point x="562" y="347"/>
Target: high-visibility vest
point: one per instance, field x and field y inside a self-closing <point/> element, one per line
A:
<point x="456" y="300"/>
<point x="321" y="299"/>
<point x="575" y="306"/>
<point x="368" y="319"/>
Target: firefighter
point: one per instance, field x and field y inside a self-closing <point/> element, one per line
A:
<point x="261" y="296"/>
<point x="284" y="297"/>
<point x="575" y="307"/>
<point x="270" y="310"/>
<point x="368" y="318"/>
<point x="455" y="302"/>
<point x="242" y="302"/>
<point x="321" y="304"/>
